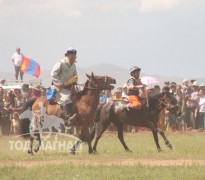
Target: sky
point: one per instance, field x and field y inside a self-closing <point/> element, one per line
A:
<point x="164" y="37"/>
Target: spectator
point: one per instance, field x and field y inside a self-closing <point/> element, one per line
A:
<point x="172" y="88"/>
<point x="1" y="99"/>
<point x="27" y="96"/>
<point x="186" y="88"/>
<point x="191" y="82"/>
<point x="108" y="95"/>
<point x="173" y="83"/>
<point x="18" y="101"/>
<point x="15" y="123"/>
<point x="151" y="91"/>
<point x="202" y="86"/>
<point x="201" y="108"/>
<point x="25" y="89"/>
<point x="124" y="91"/>
<point x="118" y="94"/>
<point x="191" y="107"/>
<point x="6" y="123"/>
<point x="166" y="83"/>
<point x="102" y="99"/>
<point x="1" y="89"/>
<point x="2" y="82"/>
<point x="157" y="89"/>
<point x="6" y="102"/>
<point x="179" y="97"/>
<point x="17" y="60"/>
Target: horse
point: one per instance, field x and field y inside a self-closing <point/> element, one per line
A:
<point x="85" y="102"/>
<point x="147" y="116"/>
<point x="45" y="121"/>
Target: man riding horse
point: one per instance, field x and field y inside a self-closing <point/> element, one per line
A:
<point x="63" y="75"/>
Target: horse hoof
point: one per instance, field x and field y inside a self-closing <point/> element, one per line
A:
<point x="72" y="152"/>
<point x="128" y="150"/>
<point x="170" y="147"/>
<point x="30" y="152"/>
<point x="36" y="150"/>
<point x="159" y="149"/>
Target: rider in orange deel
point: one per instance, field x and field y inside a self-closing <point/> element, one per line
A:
<point x="134" y="84"/>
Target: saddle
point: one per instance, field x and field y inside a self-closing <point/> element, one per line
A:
<point x="51" y="98"/>
<point x="143" y="108"/>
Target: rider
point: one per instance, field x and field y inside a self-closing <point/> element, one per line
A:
<point x="134" y="84"/>
<point x="63" y="75"/>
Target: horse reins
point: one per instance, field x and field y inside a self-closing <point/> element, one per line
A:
<point x="162" y="103"/>
<point x="97" y="86"/>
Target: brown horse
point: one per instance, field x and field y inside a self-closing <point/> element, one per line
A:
<point x="147" y="116"/>
<point x="85" y="103"/>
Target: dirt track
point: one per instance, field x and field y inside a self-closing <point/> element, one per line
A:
<point x="107" y="162"/>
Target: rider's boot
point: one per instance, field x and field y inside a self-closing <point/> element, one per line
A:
<point x="69" y="110"/>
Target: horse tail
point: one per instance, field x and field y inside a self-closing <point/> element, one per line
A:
<point x="24" y="127"/>
<point x="25" y="122"/>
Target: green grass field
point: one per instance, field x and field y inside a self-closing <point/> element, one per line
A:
<point x="60" y="165"/>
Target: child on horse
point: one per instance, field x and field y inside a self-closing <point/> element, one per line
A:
<point x="133" y="85"/>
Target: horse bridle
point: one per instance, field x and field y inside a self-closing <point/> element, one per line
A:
<point x="166" y="101"/>
<point x="97" y="86"/>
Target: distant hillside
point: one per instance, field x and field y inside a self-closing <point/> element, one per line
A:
<point x="120" y="74"/>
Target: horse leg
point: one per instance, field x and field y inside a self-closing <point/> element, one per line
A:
<point x="84" y="136"/>
<point x="57" y="134"/>
<point x="76" y="145"/>
<point x="154" y="127"/>
<point x="102" y="130"/>
<point x="30" y="151"/>
<point x="92" y="134"/>
<point x="88" y="138"/>
<point x="121" y="137"/>
<point x="38" y="143"/>
<point x="156" y="140"/>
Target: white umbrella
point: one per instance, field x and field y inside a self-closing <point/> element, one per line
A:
<point x="149" y="80"/>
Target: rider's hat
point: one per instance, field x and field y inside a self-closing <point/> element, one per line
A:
<point x="37" y="87"/>
<point x="134" y="68"/>
<point x="71" y="50"/>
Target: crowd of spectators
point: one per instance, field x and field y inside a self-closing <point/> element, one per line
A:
<point x="11" y="105"/>
<point x="190" y="97"/>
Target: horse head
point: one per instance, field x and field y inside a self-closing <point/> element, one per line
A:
<point x="100" y="82"/>
<point x="169" y="102"/>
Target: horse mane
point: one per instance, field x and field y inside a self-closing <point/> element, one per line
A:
<point x="84" y="91"/>
<point x="153" y="101"/>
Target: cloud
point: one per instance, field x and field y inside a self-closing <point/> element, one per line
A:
<point x="66" y="8"/>
<point x="147" y="6"/>
<point x="158" y="5"/>
<point x="77" y="8"/>
<point x="142" y="6"/>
